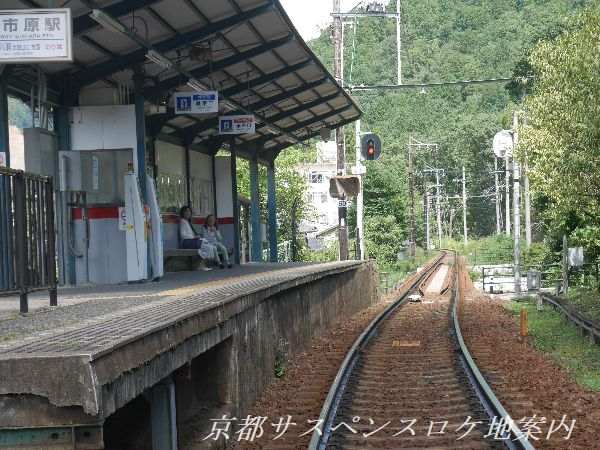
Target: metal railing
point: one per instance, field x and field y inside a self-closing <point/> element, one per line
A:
<point x="27" y="237"/>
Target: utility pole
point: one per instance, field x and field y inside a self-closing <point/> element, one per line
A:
<point x="338" y="69"/>
<point x="438" y="207"/>
<point x="399" y="40"/>
<point x="498" y="228"/>
<point x="464" y="193"/>
<point x="359" y="198"/>
<point x="507" y="192"/>
<point x="427" y="226"/>
<point x="517" y="205"/>
<point x="527" y="203"/>
<point x="411" y="187"/>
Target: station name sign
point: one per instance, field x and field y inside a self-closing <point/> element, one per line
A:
<point x="240" y="124"/>
<point x="36" y="35"/>
<point x="205" y="102"/>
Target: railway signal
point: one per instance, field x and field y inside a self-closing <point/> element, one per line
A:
<point x="370" y="147"/>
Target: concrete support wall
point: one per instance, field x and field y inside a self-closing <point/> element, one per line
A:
<point x="220" y="360"/>
<point x="293" y="317"/>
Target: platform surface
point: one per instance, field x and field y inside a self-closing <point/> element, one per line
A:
<point x="83" y="303"/>
<point x="88" y="344"/>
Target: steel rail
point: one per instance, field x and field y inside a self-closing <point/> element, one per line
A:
<point x="488" y="399"/>
<point x="320" y="439"/>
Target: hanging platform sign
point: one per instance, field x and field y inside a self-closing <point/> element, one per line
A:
<point x="200" y="102"/>
<point x="237" y="125"/>
<point x="36" y="35"/>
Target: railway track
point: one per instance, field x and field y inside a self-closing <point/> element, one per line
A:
<point x="410" y="382"/>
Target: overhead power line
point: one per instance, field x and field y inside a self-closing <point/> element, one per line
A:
<point x="392" y="87"/>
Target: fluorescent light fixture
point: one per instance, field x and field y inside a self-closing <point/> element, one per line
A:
<point x="229" y="105"/>
<point x="195" y="84"/>
<point x="271" y="130"/>
<point x="159" y="59"/>
<point x="107" y="21"/>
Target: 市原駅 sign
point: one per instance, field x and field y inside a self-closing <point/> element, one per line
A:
<point x="35" y="35"/>
<point x="205" y="102"/>
<point x="241" y="124"/>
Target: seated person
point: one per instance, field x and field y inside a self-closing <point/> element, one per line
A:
<point x="211" y="234"/>
<point x="189" y="239"/>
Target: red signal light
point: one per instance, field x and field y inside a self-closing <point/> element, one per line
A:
<point x="371" y="150"/>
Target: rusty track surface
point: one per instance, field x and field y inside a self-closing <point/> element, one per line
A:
<point x="411" y="365"/>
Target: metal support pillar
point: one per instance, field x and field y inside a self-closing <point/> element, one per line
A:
<point x="66" y="260"/>
<point x="4" y="134"/>
<point x="188" y="177"/>
<point x="272" y="206"/>
<point x="256" y="238"/>
<point x="235" y="203"/>
<point x="338" y="69"/>
<point x="140" y="131"/>
<point x="213" y="171"/>
<point x="164" y="416"/>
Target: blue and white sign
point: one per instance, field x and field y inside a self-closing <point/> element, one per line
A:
<point x="237" y="124"/>
<point x="206" y="102"/>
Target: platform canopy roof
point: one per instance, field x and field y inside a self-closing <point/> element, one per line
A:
<point x="248" y="50"/>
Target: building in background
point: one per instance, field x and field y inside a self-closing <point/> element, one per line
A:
<point x="323" y="215"/>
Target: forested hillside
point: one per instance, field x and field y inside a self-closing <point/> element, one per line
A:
<point x="443" y="40"/>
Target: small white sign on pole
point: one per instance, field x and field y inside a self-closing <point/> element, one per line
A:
<point x="2" y="159"/>
<point x="204" y="102"/>
<point x="36" y="35"/>
<point x="237" y="124"/>
<point x="576" y="257"/>
<point x="503" y="144"/>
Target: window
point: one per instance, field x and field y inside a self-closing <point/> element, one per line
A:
<point x="316" y="178"/>
<point x="324" y="197"/>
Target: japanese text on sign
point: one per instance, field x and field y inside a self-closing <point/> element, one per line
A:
<point x="197" y="102"/>
<point x="237" y="125"/>
<point x="30" y="35"/>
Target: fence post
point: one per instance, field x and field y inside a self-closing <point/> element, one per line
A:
<point x="21" y="240"/>
<point x="51" y="248"/>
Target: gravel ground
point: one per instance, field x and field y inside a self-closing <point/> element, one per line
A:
<point x="301" y="392"/>
<point x="527" y="382"/>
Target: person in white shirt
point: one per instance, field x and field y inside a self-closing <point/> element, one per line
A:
<point x="211" y="234"/>
<point x="189" y="239"/>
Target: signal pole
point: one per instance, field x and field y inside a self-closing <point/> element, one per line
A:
<point x="359" y="199"/>
<point x="464" y="194"/>
<point x="507" y="192"/>
<point x="498" y="228"/>
<point x="338" y="69"/>
<point x="517" y="212"/>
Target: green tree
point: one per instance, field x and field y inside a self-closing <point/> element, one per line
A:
<point x="562" y="138"/>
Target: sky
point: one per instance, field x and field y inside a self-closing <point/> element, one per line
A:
<point x="310" y="16"/>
